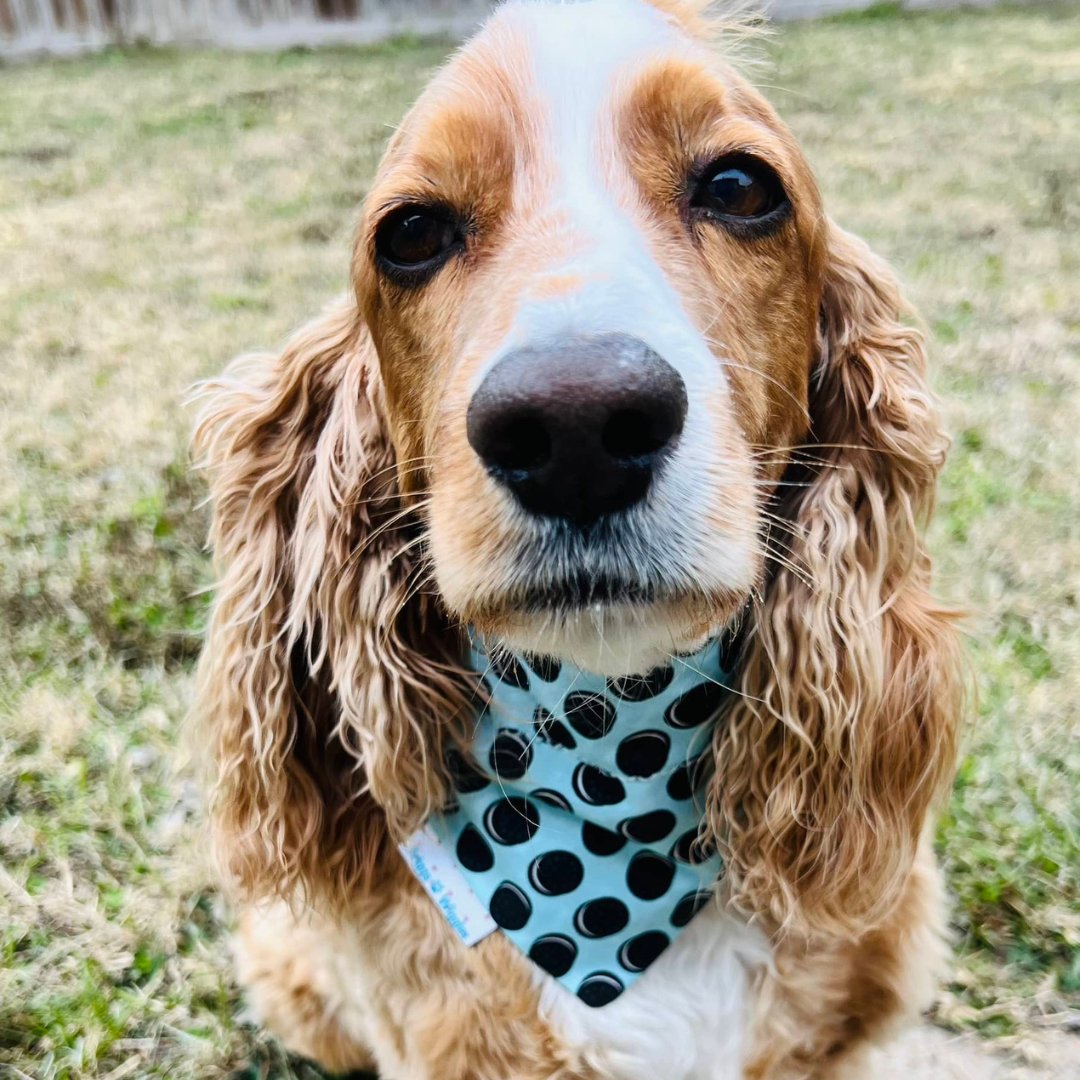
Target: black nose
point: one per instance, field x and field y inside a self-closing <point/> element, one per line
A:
<point x="576" y="428"/>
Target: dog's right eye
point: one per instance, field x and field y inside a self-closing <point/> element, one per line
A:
<point x="412" y="242"/>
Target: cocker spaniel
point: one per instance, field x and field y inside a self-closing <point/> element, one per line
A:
<point x="576" y="701"/>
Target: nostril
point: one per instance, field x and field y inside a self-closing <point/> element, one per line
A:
<point x="517" y="444"/>
<point x="632" y="434"/>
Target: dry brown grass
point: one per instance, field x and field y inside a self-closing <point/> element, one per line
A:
<point x="160" y="212"/>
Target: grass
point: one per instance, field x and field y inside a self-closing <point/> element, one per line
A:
<point x="162" y="211"/>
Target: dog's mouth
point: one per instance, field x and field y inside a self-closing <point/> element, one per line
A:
<point x="610" y="595"/>
<point x="614" y="595"/>
<point x="577" y="591"/>
<point x="567" y="568"/>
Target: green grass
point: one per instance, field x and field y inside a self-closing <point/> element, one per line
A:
<point x="162" y="211"/>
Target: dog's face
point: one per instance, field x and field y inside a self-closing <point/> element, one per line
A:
<point x="597" y="309"/>
<point x="588" y="265"/>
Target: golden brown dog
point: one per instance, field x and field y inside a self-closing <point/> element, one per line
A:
<point x="727" y="423"/>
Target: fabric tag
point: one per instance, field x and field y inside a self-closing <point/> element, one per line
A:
<point x="438" y="873"/>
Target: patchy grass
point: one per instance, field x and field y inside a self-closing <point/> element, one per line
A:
<point x="956" y="152"/>
<point x="161" y="211"/>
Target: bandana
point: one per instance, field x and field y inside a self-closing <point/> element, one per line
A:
<point x="576" y="822"/>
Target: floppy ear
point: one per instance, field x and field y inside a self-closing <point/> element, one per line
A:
<point x="829" y="766"/>
<point x="328" y="680"/>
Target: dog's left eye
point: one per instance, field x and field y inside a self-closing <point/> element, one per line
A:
<point x="740" y="190"/>
<point x="416" y="240"/>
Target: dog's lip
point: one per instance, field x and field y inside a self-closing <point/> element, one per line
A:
<point x="587" y="590"/>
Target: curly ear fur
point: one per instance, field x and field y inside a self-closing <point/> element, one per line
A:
<point x="329" y="678"/>
<point x="830" y="763"/>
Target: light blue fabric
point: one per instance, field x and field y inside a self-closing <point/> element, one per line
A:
<point x="576" y="822"/>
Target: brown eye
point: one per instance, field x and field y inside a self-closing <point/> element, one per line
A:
<point x="416" y="240"/>
<point x="741" y="190"/>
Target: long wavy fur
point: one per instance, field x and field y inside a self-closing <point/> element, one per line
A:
<point x="851" y="691"/>
<point x="329" y="679"/>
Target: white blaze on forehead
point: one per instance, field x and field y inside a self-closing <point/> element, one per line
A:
<point x="579" y="52"/>
<point x="582" y="58"/>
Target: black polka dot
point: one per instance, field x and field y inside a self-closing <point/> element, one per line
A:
<point x="510" y="755"/>
<point x="465" y="775"/>
<point x="512" y="820"/>
<point x="591" y="715"/>
<point x="554" y="953"/>
<point x="553" y="731"/>
<point x="601" y="918"/>
<point x="640" y="951"/>
<point x="556" y="873"/>
<point x="473" y="852"/>
<point x="597" y="787"/>
<point x="601" y="841"/>
<point x="552" y="798"/>
<point x="599" y="989"/>
<point x="642" y="687"/>
<point x="689" y="906"/>
<point x="696" y="706"/>
<point x="643" y="753"/>
<point x="648" y="828"/>
<point x="684" y="781"/>
<point x="559" y="735"/>
<point x="547" y="667"/>
<point x="687" y="850"/>
<point x="509" y="670"/>
<point x="510" y="907"/>
<point x="649" y="875"/>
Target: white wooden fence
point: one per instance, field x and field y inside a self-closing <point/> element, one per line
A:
<point x="65" y="27"/>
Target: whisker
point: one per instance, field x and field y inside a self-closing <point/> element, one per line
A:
<point x="395" y="519"/>
<point x="787" y="564"/>
<point x="676" y="659"/>
<point x="793" y="527"/>
<point x="410" y="593"/>
<point x="836" y="446"/>
<point x="727" y="362"/>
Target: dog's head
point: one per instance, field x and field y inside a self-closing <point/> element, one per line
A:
<point x="591" y="264"/>
<point x="607" y="373"/>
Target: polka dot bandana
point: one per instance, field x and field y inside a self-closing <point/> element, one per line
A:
<point x="576" y="822"/>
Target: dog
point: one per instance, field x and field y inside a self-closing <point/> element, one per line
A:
<point x="609" y="391"/>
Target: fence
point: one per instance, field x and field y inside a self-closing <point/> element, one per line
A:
<point x="64" y="27"/>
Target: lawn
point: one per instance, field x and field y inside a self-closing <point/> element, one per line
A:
<point x="161" y="211"/>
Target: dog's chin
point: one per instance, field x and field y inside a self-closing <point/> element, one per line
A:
<point x="606" y="628"/>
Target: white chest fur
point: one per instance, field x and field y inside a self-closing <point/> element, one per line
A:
<point x="684" y="1020"/>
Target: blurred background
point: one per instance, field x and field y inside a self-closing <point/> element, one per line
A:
<point x="178" y="183"/>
